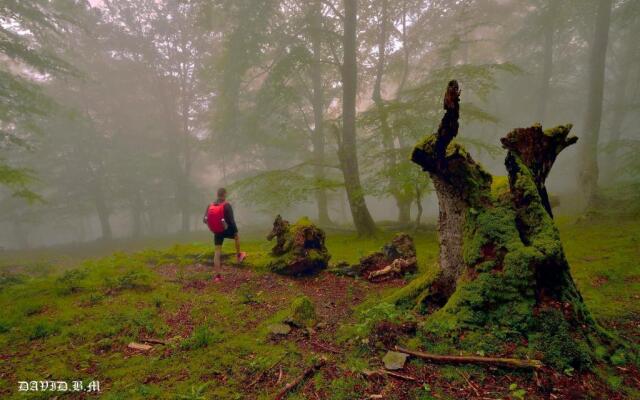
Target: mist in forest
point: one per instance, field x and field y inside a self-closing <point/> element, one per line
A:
<point x="120" y="119"/>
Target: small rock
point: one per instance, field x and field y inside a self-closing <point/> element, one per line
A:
<point x="279" y="329"/>
<point x="394" y="360"/>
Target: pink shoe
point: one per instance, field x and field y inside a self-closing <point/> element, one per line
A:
<point x="217" y="278"/>
<point x="241" y="256"/>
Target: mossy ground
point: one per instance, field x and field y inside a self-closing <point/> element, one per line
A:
<point x="71" y="318"/>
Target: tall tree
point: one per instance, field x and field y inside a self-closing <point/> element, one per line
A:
<point x="315" y="33"/>
<point x="589" y="170"/>
<point x="547" y="58"/>
<point x="348" y="152"/>
<point x="402" y="198"/>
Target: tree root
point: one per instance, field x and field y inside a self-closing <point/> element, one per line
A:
<point x="503" y="362"/>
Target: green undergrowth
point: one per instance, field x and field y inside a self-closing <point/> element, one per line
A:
<point x="75" y="322"/>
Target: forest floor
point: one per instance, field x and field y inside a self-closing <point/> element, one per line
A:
<point x="69" y="320"/>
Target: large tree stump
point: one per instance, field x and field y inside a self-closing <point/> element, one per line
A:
<point x="299" y="248"/>
<point x="502" y="271"/>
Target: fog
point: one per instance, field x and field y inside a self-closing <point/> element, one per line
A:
<point x="120" y="119"/>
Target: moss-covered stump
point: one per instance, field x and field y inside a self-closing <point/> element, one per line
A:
<point x="299" y="248"/>
<point x="503" y="276"/>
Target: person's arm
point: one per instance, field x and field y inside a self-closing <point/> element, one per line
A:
<point x="229" y="219"/>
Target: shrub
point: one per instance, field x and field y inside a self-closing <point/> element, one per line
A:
<point x="69" y="282"/>
<point x="130" y="280"/>
<point x="43" y="330"/>
<point x="201" y="337"/>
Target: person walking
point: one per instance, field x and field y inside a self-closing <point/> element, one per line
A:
<point x="220" y="220"/>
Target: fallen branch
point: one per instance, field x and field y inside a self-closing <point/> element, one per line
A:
<point x="326" y="348"/>
<point x="471" y="385"/>
<point x="503" y="362"/>
<point x="154" y="341"/>
<point x="382" y="372"/>
<point x="306" y="374"/>
<point x="264" y="372"/>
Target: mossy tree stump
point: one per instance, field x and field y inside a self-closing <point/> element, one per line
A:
<point x="502" y="269"/>
<point x="299" y="248"/>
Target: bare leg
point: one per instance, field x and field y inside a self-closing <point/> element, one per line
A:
<point x="239" y="254"/>
<point x="216" y="257"/>
<point x="237" y="238"/>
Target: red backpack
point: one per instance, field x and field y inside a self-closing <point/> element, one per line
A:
<point x="215" y="216"/>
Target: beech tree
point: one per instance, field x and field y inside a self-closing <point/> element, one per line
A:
<point x="589" y="171"/>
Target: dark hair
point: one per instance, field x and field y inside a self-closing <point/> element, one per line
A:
<point x="222" y="192"/>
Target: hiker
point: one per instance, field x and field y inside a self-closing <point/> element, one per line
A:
<point x="219" y="218"/>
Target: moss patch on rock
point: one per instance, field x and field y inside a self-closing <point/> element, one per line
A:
<point x="302" y="313"/>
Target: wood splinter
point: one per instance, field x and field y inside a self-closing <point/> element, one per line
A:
<point x="306" y="374"/>
<point x="503" y="362"/>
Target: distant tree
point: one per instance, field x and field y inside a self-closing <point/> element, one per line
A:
<point x="31" y="35"/>
<point x="164" y="36"/>
<point x="589" y="171"/>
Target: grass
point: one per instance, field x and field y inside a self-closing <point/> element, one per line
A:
<point x="71" y="317"/>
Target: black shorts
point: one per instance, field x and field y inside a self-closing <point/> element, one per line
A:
<point x="218" y="238"/>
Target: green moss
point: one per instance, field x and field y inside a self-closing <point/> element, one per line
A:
<point x="297" y="259"/>
<point x="302" y="313"/>
<point x="463" y="174"/>
<point x="557" y="341"/>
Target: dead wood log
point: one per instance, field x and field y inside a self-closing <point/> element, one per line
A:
<point x="305" y="375"/>
<point x="499" y="361"/>
<point x="397" y="267"/>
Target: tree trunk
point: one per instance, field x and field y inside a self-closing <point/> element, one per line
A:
<point x="628" y="54"/>
<point x="318" y="113"/>
<point x="547" y="59"/>
<point x="451" y="173"/>
<point x="347" y="152"/>
<point x="404" y="209"/>
<point x="390" y="161"/>
<point x="102" y="211"/>
<point x="502" y="266"/>
<point x="419" y="205"/>
<point x="136" y="215"/>
<point x="589" y="158"/>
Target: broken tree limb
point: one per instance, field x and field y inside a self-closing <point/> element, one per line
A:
<point x="383" y="372"/>
<point x="154" y="341"/>
<point x="398" y="266"/>
<point x="306" y="374"/>
<point x="503" y="362"/>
